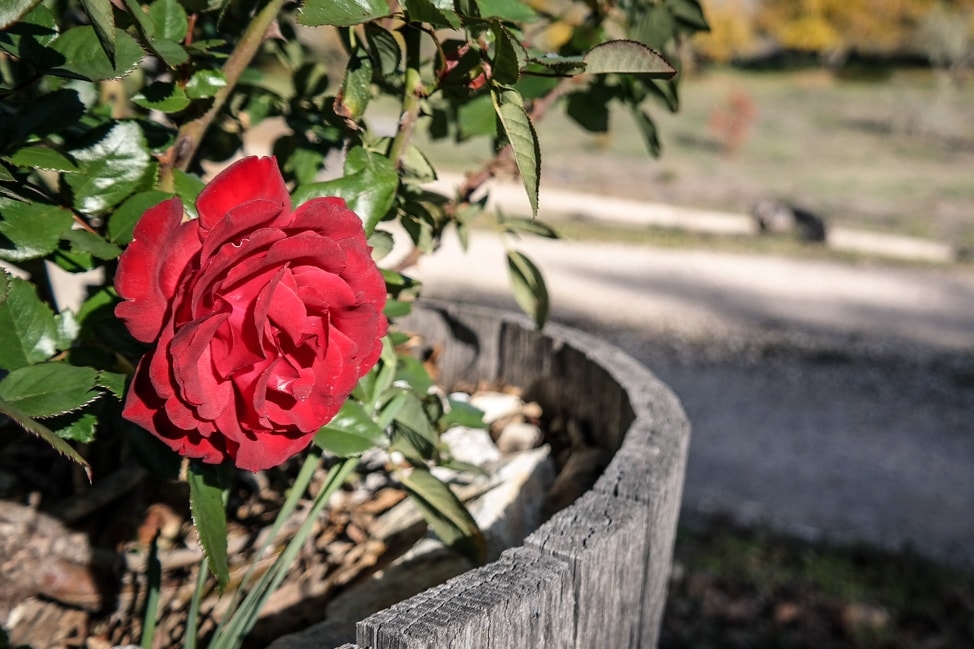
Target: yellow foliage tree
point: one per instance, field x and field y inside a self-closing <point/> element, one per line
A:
<point x="731" y="30"/>
<point x="831" y="26"/>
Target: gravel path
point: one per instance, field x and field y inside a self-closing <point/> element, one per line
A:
<point x="827" y="399"/>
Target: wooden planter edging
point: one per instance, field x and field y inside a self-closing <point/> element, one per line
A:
<point x="595" y="575"/>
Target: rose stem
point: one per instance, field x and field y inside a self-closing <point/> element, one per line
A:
<point x="412" y="92"/>
<point x="474" y="180"/>
<point x="190" y="136"/>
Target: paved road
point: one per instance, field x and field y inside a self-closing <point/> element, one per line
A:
<point x="826" y="398"/>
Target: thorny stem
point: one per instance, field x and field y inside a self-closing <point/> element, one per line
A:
<point x="502" y="159"/>
<point x="412" y="93"/>
<point x="190" y="136"/>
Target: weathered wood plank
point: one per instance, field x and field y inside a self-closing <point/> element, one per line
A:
<point x="603" y="541"/>
<point x="596" y="574"/>
<point x="522" y="600"/>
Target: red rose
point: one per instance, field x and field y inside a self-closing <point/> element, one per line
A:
<point x="262" y="319"/>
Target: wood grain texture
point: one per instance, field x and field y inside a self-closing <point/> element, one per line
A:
<point x="595" y="574"/>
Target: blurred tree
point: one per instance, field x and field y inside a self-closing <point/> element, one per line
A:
<point x="834" y="27"/>
<point x="946" y="37"/>
<point x="731" y="31"/>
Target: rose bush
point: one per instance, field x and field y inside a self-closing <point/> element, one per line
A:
<point x="252" y="326"/>
<point x="261" y="319"/>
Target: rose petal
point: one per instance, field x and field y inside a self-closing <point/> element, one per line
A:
<point x="193" y="368"/>
<point x="362" y="274"/>
<point x="307" y="248"/>
<point x="269" y="450"/>
<point x="241" y="222"/>
<point x="245" y="180"/>
<point x="159" y="364"/>
<point x="150" y="269"/>
<point x="279" y="303"/>
<point x="144" y="408"/>
<point x="328" y="216"/>
<point x="230" y="266"/>
<point x="320" y="290"/>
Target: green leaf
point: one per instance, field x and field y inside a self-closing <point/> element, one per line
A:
<point x="384" y="374"/>
<point x="89" y="243"/>
<point x="28" y="38"/>
<point x="41" y="157"/>
<point x="627" y="57"/>
<point x="206" y="504"/>
<point x="49" y="389"/>
<point x="113" y="382"/>
<point x="690" y="13"/>
<point x="85" y="59"/>
<point x="414" y="434"/>
<point x="187" y="187"/>
<point x="351" y="432"/>
<point x="648" y="129"/>
<point x="67" y="327"/>
<point x="304" y="161"/>
<point x="461" y="413"/>
<point x="523" y="139"/>
<point x="381" y="243"/>
<point x="666" y="92"/>
<point x="30" y="230"/>
<point x="145" y="27"/>
<point x="205" y="83"/>
<point x="476" y="117"/>
<point x="384" y="48"/>
<point x="112" y="168"/>
<point x="13" y="10"/>
<point x="153" y="578"/>
<point x="446" y="515"/>
<point x="417" y="166"/>
<point x="505" y="68"/>
<point x="169" y="51"/>
<point x="60" y="110"/>
<point x="356" y="89"/>
<point x="122" y="221"/>
<point x="206" y="5"/>
<point x="169" y="20"/>
<point x="77" y="427"/>
<point x="655" y="27"/>
<point x="342" y="13"/>
<point x="529" y="287"/>
<point x="425" y="11"/>
<point x="45" y="434"/>
<point x="520" y="225"/>
<point x="29" y="330"/>
<point x="368" y="187"/>
<point x="589" y="110"/>
<point x="509" y="10"/>
<point x="555" y="65"/>
<point x="103" y="20"/>
<point x="164" y="96"/>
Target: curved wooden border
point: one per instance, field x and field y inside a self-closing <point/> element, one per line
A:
<point x="595" y="575"/>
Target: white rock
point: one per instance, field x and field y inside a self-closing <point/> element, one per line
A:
<point x="472" y="445"/>
<point x="515" y="507"/>
<point x="519" y="436"/>
<point x="496" y="405"/>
